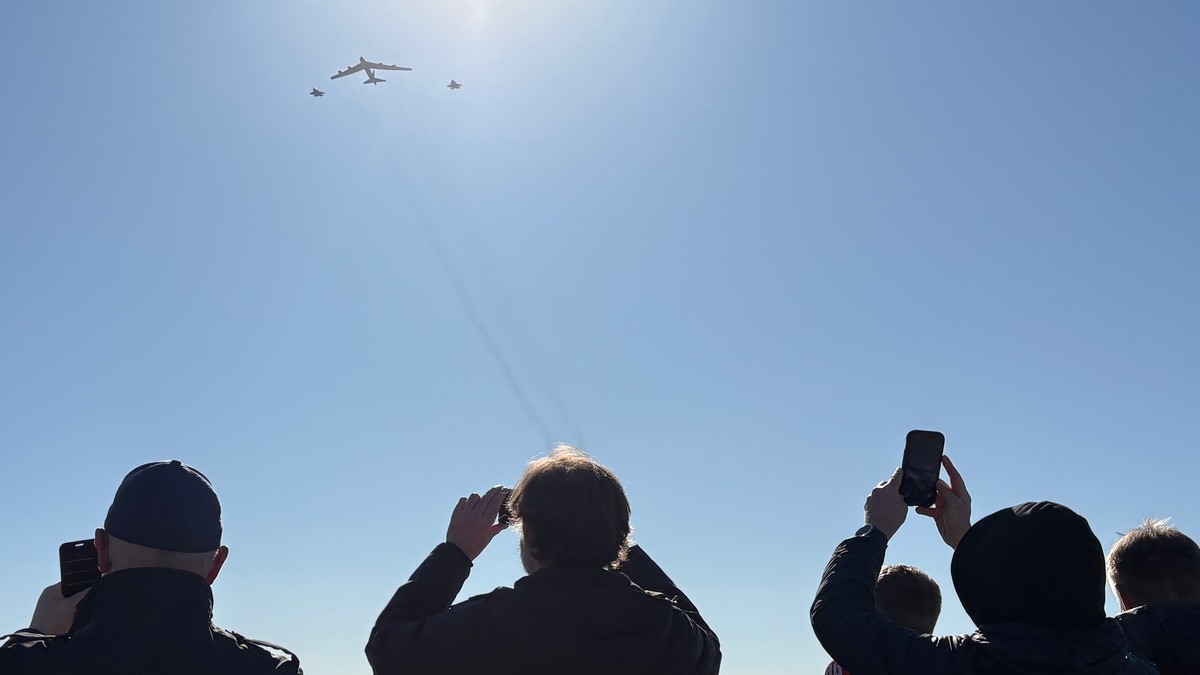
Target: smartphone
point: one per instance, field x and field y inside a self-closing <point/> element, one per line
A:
<point x="506" y="515"/>
<point x="78" y="565"/>
<point x="922" y="464"/>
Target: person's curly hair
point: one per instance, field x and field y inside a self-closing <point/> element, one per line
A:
<point x="572" y="511"/>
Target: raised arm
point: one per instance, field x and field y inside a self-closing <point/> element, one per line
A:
<point x="844" y="616"/>
<point x="406" y="635"/>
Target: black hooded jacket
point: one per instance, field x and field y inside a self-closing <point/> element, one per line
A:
<point x="1167" y="634"/>
<point x="1032" y="579"/>
<point x="144" y="621"/>
<point x="555" y="621"/>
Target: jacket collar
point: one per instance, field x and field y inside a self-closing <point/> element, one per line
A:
<point x="572" y="577"/>
<point x="152" y="597"/>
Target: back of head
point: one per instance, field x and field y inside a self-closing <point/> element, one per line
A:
<point x="165" y="514"/>
<point x="1037" y="562"/>
<point x="125" y="555"/>
<point x="572" y="511"/>
<point x="1154" y="563"/>
<point x="909" y="597"/>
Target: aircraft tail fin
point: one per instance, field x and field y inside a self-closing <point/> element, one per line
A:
<point x="374" y="80"/>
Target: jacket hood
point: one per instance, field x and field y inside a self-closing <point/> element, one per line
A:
<point x="1036" y="563"/>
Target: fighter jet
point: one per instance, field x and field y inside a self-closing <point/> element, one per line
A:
<point x="317" y="92"/>
<point x="370" y="68"/>
<point x="454" y="85"/>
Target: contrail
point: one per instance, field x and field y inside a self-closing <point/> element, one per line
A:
<point x="430" y="166"/>
<point x="484" y="335"/>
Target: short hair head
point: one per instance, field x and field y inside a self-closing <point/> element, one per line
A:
<point x="909" y="597"/>
<point x="572" y="511"/>
<point x="168" y="506"/>
<point x="1154" y="563"/>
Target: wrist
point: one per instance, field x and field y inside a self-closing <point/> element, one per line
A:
<point x="953" y="538"/>
<point x="869" y="530"/>
<point x="457" y="548"/>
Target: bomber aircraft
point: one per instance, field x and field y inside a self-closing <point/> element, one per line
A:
<point x="369" y="68"/>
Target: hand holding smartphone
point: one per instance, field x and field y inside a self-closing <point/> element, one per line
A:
<point x="921" y="467"/>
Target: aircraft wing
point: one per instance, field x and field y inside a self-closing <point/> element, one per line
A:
<point x="350" y="70"/>
<point x="381" y="66"/>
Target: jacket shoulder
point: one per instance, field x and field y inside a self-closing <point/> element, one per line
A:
<point x="25" y="652"/>
<point x="1167" y="634"/>
<point x="246" y="655"/>
<point x="26" y="639"/>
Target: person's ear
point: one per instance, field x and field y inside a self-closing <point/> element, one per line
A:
<point x="103" y="557"/>
<point x="218" y="560"/>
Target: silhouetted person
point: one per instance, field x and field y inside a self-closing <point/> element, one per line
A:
<point x="907" y="596"/>
<point x="1154" y="570"/>
<point x="589" y="605"/>
<point x="1031" y="577"/>
<point x="151" y="612"/>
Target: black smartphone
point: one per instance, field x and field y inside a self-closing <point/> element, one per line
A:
<point x="922" y="464"/>
<point x="506" y="515"/>
<point x="78" y="565"/>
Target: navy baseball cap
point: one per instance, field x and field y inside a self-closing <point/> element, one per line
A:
<point x="168" y="506"/>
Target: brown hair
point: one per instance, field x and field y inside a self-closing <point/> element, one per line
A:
<point x="572" y="511"/>
<point x="1155" y="563"/>
<point x="909" y="597"/>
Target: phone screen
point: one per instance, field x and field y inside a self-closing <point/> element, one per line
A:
<point x="78" y="565"/>
<point x="922" y="465"/>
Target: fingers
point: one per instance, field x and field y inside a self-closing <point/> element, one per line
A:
<point x="892" y="484"/>
<point x="497" y="493"/>
<point x="956" y="480"/>
<point x="488" y="502"/>
<point x="938" y="509"/>
<point x="493" y="500"/>
<point x="945" y="492"/>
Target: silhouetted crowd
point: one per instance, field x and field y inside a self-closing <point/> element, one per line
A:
<point x="1032" y="578"/>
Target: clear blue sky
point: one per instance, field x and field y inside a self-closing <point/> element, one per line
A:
<point x="735" y="251"/>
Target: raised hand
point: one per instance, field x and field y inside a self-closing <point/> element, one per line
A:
<point x="54" y="614"/>
<point x="473" y="522"/>
<point x="951" y="509"/>
<point x="885" y="508"/>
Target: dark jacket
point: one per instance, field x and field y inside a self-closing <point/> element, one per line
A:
<point x="1167" y="634"/>
<point x="144" y="620"/>
<point x="865" y="642"/>
<point x="555" y="621"/>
